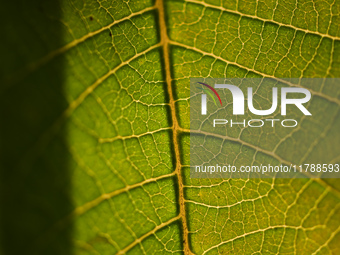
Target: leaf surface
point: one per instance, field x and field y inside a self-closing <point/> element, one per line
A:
<point x="95" y="145"/>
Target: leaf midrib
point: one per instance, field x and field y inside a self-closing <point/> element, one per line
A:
<point x="175" y="124"/>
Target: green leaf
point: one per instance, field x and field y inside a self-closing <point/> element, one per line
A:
<point x="95" y="127"/>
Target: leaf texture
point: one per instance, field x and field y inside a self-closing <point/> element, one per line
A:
<point x="95" y="127"/>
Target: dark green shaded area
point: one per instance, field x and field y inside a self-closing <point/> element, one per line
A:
<point x="35" y="178"/>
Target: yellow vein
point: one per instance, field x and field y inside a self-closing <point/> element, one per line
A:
<point x="256" y="148"/>
<point x="139" y="240"/>
<point x="109" y="140"/>
<point x="262" y="230"/>
<point x="31" y="67"/>
<point x="175" y="125"/>
<point x="61" y="224"/>
<point x="84" y="208"/>
<point x="316" y="93"/>
<point x="328" y="241"/>
<point x="229" y="205"/>
<point x="31" y="155"/>
<point x="263" y="19"/>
